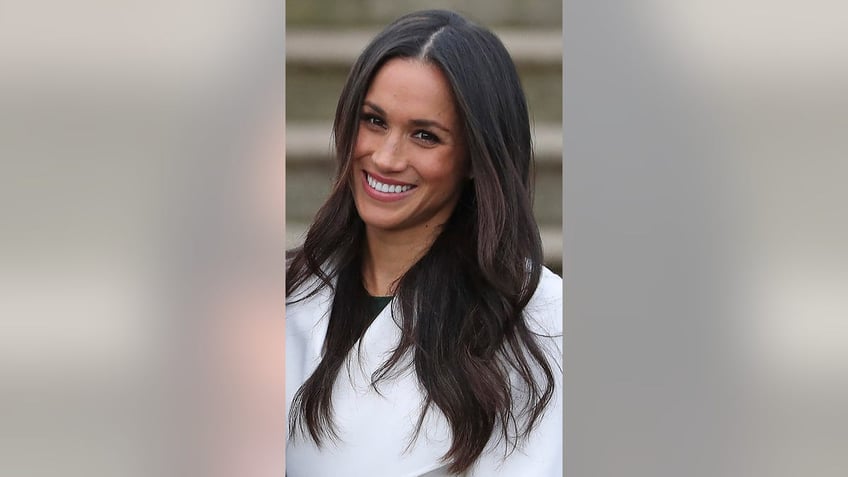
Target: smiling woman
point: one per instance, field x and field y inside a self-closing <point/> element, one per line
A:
<point x="424" y="335"/>
<point x="410" y="165"/>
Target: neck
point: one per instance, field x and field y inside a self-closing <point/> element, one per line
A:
<point x="389" y="254"/>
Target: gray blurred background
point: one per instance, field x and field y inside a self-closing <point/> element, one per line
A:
<point x="706" y="240"/>
<point x="139" y="182"/>
<point x="323" y="38"/>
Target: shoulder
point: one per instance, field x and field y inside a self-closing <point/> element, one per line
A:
<point x="545" y="307"/>
<point x="550" y="286"/>
<point x="312" y="284"/>
<point x="308" y="309"/>
<point x="541" y="453"/>
<point x="312" y="293"/>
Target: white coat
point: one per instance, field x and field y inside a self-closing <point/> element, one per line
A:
<point x="375" y="429"/>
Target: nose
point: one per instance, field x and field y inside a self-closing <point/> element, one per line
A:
<point x="388" y="155"/>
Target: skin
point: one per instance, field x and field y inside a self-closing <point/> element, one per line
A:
<point x="409" y="136"/>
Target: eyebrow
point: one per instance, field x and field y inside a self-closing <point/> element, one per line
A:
<point x="421" y="123"/>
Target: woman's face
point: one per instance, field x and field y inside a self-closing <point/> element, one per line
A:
<point x="410" y="156"/>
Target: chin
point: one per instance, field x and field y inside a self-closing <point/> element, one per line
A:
<point x="380" y="223"/>
<point x="375" y="218"/>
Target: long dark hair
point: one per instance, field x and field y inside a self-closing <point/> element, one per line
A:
<point x="473" y="354"/>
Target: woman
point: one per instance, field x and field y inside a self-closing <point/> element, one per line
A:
<point x="423" y="334"/>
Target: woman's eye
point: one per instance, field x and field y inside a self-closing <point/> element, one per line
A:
<point x="427" y="137"/>
<point x="372" y="120"/>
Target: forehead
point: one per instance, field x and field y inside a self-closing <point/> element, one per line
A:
<point x="412" y="87"/>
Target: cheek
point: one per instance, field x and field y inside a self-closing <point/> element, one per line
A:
<point x="444" y="172"/>
<point x="363" y="143"/>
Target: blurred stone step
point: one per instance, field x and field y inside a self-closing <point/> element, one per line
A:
<point x="310" y="141"/>
<point x="551" y="241"/>
<point x="309" y="169"/>
<point x="492" y="13"/>
<point x="308" y="187"/>
<point x="317" y="63"/>
<point x="312" y="92"/>
<point x="340" y="48"/>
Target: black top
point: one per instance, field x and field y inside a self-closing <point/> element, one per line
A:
<point x="377" y="303"/>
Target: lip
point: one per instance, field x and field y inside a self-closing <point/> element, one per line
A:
<point x="384" y="196"/>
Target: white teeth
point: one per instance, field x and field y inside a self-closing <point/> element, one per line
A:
<point x="391" y="189"/>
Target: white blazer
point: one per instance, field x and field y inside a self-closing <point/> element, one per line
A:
<point x="376" y="429"/>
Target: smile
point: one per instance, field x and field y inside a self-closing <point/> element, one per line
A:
<point x="387" y="188"/>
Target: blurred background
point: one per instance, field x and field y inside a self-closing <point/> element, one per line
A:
<point x="141" y="238"/>
<point x="323" y="39"/>
<point x="706" y="240"/>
